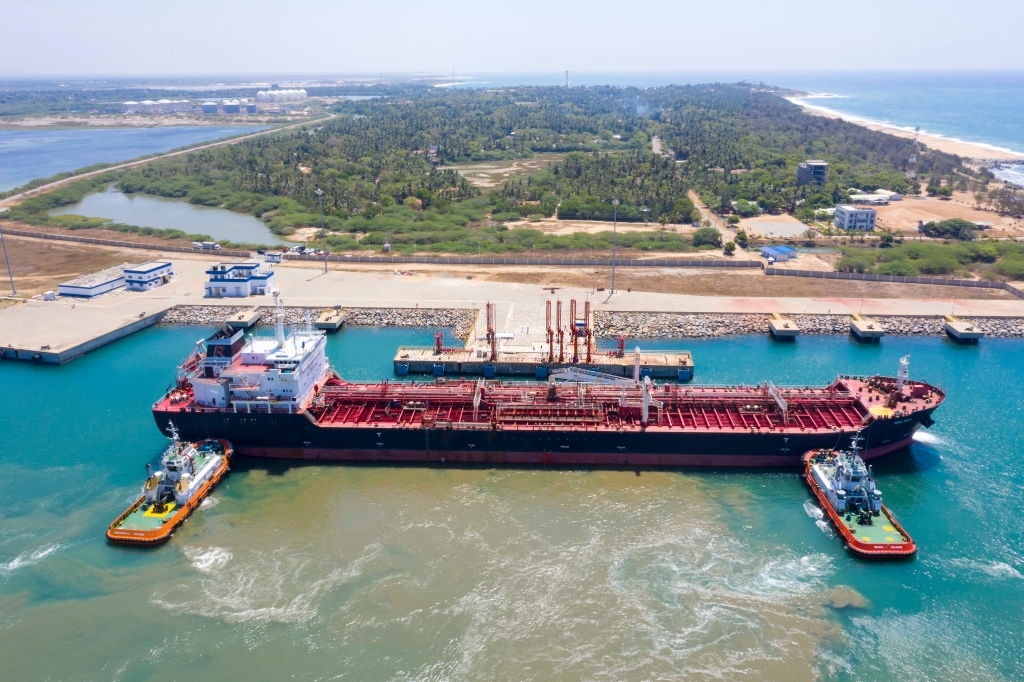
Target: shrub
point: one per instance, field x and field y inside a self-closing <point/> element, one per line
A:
<point x="707" y="236"/>
<point x="1011" y="268"/>
<point x="900" y="268"/>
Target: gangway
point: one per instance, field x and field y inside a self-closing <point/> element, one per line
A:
<point x="589" y="376"/>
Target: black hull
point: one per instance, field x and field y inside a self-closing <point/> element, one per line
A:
<point x="296" y="436"/>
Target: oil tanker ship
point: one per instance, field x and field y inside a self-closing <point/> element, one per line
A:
<point x="277" y="396"/>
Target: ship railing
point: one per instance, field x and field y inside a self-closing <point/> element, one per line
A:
<point x="265" y="406"/>
<point x="244" y="387"/>
<point x="467" y="426"/>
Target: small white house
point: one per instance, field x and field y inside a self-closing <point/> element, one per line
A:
<point x="238" y="280"/>
<point x="148" y="275"/>
<point x="854" y="218"/>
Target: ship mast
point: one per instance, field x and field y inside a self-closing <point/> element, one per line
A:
<point x="904" y="372"/>
<point x="279" y="311"/>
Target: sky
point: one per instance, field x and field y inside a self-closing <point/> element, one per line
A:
<point x="199" y="37"/>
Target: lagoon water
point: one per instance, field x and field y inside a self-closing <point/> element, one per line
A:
<point x="31" y="154"/>
<point x="149" y="211"/>
<point x="384" y="573"/>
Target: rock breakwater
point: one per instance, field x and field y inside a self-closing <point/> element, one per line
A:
<point x="709" y="325"/>
<point x="460" y="319"/>
<point x="641" y="325"/>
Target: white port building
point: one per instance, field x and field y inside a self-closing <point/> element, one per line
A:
<point x="238" y="280"/>
<point x="147" y="275"/>
<point x="854" y="218"/>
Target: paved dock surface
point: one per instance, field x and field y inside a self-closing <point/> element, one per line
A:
<point x="54" y="327"/>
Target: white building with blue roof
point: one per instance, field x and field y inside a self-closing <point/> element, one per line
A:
<point x="238" y="280"/>
<point x="148" y="275"/>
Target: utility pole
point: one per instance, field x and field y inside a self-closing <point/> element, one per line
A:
<point x="615" y="221"/>
<point x="7" y="259"/>
<point x="323" y="233"/>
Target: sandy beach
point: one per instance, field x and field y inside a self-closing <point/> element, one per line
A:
<point x="980" y="153"/>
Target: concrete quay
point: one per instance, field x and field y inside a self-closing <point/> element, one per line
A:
<point x="61" y="330"/>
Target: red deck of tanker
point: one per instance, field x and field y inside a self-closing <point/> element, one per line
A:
<point x="844" y="404"/>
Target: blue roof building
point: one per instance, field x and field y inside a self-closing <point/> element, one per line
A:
<point x="148" y="275"/>
<point x="778" y="254"/>
<point x="238" y="280"/>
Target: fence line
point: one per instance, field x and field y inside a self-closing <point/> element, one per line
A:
<point x="899" y="279"/>
<point x="577" y="262"/>
<point x="404" y="260"/>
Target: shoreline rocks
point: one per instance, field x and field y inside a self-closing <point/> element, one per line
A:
<point x="460" y="319"/>
<point x="710" y="325"/>
<point x="637" y="325"/>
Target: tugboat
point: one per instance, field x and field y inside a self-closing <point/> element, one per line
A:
<point x="188" y="472"/>
<point x="846" y="490"/>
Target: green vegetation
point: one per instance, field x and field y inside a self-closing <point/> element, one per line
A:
<point x="384" y="167"/>
<point x="707" y="237"/>
<point x="953" y="228"/>
<point x="743" y="144"/>
<point x="988" y="259"/>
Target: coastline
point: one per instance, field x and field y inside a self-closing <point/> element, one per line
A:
<point x="978" y="152"/>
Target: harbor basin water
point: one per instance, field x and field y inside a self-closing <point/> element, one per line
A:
<point x="372" y="572"/>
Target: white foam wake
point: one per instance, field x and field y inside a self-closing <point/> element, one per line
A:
<point x="208" y="560"/>
<point x="29" y="558"/>
<point x="927" y="438"/>
<point x="818" y="514"/>
<point x="993" y="569"/>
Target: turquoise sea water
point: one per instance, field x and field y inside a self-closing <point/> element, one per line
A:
<point x="383" y="573"/>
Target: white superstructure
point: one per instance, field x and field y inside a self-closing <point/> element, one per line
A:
<point x="261" y="374"/>
<point x="847" y="482"/>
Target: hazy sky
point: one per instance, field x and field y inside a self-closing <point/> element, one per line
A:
<point x="146" y="37"/>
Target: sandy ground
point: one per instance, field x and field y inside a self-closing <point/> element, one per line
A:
<point x="40" y="265"/>
<point x="903" y="216"/>
<point x="784" y="226"/>
<point x="490" y="174"/>
<point x="969" y="150"/>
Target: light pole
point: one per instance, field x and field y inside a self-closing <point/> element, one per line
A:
<point x="13" y="292"/>
<point x="615" y="221"/>
<point x="323" y="232"/>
